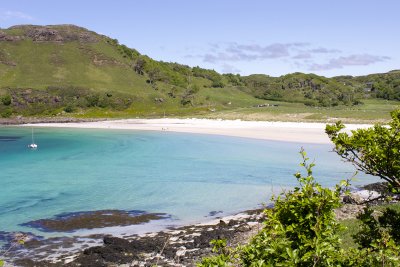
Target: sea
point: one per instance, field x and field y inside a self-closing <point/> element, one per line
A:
<point x="189" y="177"/>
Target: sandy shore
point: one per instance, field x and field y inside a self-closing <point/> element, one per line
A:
<point x="277" y="131"/>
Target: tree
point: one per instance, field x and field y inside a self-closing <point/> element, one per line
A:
<point x="375" y="150"/>
<point x="154" y="75"/>
<point x="138" y="65"/>
<point x="189" y="94"/>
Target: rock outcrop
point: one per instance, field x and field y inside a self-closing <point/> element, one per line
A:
<point x="59" y="34"/>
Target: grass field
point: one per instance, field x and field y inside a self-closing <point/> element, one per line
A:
<point x="372" y="111"/>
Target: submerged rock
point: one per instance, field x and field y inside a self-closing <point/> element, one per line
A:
<point x="68" y="222"/>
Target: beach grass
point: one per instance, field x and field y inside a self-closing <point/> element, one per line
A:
<point x="371" y="111"/>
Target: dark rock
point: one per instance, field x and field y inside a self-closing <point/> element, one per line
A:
<point x="115" y="241"/>
<point x="41" y="34"/>
<point x="93" y="219"/>
<point x="108" y="254"/>
<point x="87" y="37"/>
<point x="31" y="263"/>
<point x="148" y="244"/>
<point x="159" y="100"/>
<point x="214" y="212"/>
<point x="232" y="223"/>
<point x="381" y="188"/>
<point x="222" y="223"/>
<point x="9" y="38"/>
<point x="243" y="228"/>
<point x="348" y="200"/>
<point x="92" y="260"/>
<point x="58" y="33"/>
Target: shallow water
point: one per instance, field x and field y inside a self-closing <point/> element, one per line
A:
<point x="184" y="175"/>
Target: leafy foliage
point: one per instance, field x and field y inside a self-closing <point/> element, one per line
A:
<point x="369" y="230"/>
<point x="375" y="150"/>
<point x="6" y="100"/>
<point x="189" y="94"/>
<point x="55" y="99"/>
<point x="374" y="227"/>
<point x="310" y="89"/>
<point x="381" y="85"/>
<point x="301" y="230"/>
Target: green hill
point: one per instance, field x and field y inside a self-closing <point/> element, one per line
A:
<point x="379" y="85"/>
<point x="53" y="70"/>
<point x="310" y="89"/>
<point x="50" y="69"/>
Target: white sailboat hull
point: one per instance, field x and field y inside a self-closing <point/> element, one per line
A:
<point x="32" y="146"/>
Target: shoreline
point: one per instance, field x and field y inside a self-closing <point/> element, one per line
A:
<point x="190" y="239"/>
<point x="183" y="245"/>
<point x="299" y="132"/>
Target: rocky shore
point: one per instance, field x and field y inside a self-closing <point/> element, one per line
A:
<point x="182" y="246"/>
<point x="29" y="120"/>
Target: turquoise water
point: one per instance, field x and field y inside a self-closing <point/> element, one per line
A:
<point x="184" y="175"/>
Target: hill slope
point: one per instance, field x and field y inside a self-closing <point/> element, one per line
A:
<point x="65" y="67"/>
<point x="49" y="70"/>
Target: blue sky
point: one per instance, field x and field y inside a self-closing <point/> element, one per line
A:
<point x="328" y="38"/>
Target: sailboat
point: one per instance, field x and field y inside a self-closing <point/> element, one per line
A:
<point x="32" y="145"/>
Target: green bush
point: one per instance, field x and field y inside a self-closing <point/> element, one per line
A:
<point x="6" y="100"/>
<point x="6" y="113"/>
<point x="69" y="108"/>
<point x="301" y="230"/>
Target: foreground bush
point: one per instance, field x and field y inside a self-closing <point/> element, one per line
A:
<point x="301" y="230"/>
<point x="375" y="150"/>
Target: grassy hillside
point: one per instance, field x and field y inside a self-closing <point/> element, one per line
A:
<point x="310" y="89"/>
<point x="54" y="69"/>
<point x="380" y="85"/>
<point x="70" y="71"/>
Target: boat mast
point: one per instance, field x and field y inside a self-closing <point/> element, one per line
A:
<point x="32" y="137"/>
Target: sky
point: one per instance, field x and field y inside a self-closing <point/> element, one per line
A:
<point x="330" y="38"/>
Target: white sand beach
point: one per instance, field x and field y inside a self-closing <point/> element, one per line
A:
<point x="276" y="131"/>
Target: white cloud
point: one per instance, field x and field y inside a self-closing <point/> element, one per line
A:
<point x="8" y="15"/>
<point x="299" y="54"/>
<point x="248" y="52"/>
<point x="351" y="60"/>
<point x="235" y="52"/>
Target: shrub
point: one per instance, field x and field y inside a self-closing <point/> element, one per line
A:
<point x="301" y="230"/>
<point x="6" y="100"/>
<point x="69" y="109"/>
<point x="6" y="113"/>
